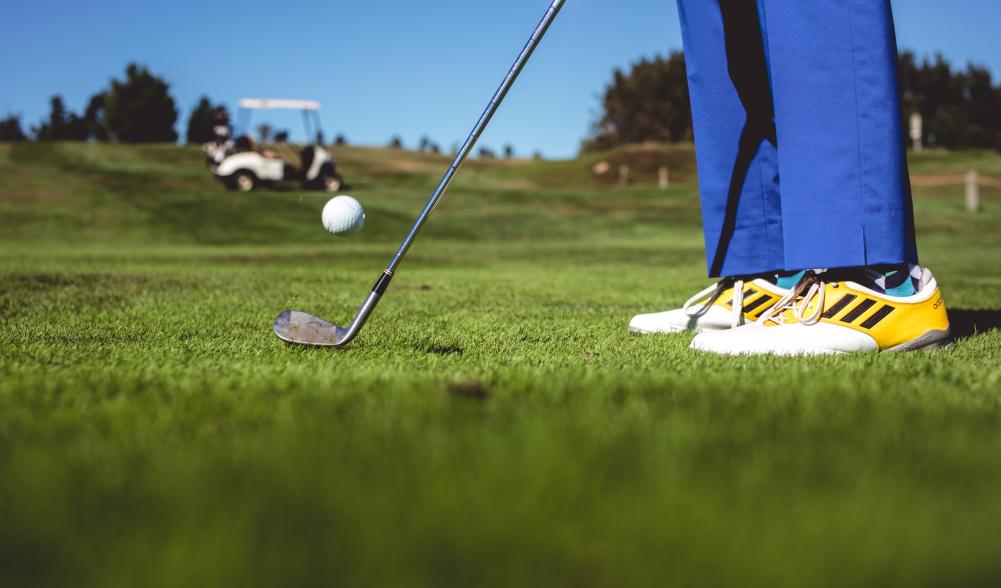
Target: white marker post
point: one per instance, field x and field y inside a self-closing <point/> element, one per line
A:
<point x="917" y="131"/>
<point x="624" y="175"/>
<point x="972" y="191"/>
<point x="664" y="179"/>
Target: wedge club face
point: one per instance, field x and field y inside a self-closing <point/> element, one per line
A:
<point x="302" y="328"/>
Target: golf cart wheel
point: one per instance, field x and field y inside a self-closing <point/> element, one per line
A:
<point x="331" y="183"/>
<point x="243" y="181"/>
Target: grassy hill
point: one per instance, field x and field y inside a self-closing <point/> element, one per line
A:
<point x="494" y="424"/>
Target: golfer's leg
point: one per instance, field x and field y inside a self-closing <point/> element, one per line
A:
<point x="738" y="172"/>
<point x="845" y="195"/>
<point x="845" y="190"/>
<point x="734" y="136"/>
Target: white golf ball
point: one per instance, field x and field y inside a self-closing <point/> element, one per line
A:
<point x="343" y="216"/>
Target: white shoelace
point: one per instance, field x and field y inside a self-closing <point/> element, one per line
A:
<point x="799" y="299"/>
<point x="714" y="292"/>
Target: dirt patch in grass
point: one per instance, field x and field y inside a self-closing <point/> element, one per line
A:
<point x="471" y="389"/>
<point x="21" y="293"/>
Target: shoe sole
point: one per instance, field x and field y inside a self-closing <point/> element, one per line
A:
<point x="637" y="331"/>
<point x="675" y="330"/>
<point x="931" y="340"/>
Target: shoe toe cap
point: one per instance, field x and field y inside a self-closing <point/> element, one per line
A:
<point x="678" y="321"/>
<point x="739" y="341"/>
<point x="672" y="321"/>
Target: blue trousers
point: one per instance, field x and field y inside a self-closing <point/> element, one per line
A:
<point x="801" y="155"/>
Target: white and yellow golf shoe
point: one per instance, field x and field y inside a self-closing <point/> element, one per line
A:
<point x="729" y="303"/>
<point x="828" y="314"/>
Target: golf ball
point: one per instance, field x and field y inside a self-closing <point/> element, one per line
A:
<point x="343" y="216"/>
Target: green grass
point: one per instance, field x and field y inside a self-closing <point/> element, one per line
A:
<point x="493" y="425"/>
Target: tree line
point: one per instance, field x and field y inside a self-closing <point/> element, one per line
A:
<point x="960" y="108"/>
<point x="140" y="109"/>
<point x="135" y="109"/>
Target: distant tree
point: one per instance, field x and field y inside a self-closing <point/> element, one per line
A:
<point x="10" y="129"/>
<point x="77" y="127"/>
<point x="94" y="117"/>
<point x="425" y="144"/>
<point x="65" y="125"/>
<point x="396" y="142"/>
<point x="281" y="136"/>
<point x="340" y="140"/>
<point x="202" y="122"/>
<point x="140" y="109"/>
<point x="509" y="151"/>
<point x="537" y="156"/>
<point x="435" y="148"/>
<point x="53" y="128"/>
<point x="264" y="132"/>
<point x="647" y="103"/>
<point x="487" y="153"/>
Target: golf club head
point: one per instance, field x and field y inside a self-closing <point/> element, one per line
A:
<point x="302" y="328"/>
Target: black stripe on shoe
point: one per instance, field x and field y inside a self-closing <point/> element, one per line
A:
<point x="878" y="316"/>
<point x="750" y="293"/>
<point x="753" y="305"/>
<point x="839" y="306"/>
<point x="858" y="310"/>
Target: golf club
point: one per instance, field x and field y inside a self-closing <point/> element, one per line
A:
<point x="305" y="329"/>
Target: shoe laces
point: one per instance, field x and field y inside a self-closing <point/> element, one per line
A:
<point x="811" y="286"/>
<point x="714" y="292"/>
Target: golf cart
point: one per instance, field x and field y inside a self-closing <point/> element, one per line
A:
<point x="243" y="166"/>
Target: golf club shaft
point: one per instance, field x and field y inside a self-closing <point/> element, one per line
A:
<point x="481" y="125"/>
<point x="460" y="157"/>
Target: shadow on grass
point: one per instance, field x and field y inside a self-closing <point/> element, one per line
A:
<point x="966" y="323"/>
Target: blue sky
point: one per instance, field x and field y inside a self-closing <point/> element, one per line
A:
<point x="392" y="67"/>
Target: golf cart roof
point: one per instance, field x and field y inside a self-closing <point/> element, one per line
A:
<point x="262" y="104"/>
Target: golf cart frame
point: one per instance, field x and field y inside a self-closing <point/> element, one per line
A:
<point x="243" y="167"/>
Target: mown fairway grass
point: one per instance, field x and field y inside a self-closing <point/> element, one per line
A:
<point x="494" y="425"/>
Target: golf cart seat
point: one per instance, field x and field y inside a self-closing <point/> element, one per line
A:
<point x="243" y="143"/>
<point x="306" y="157"/>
